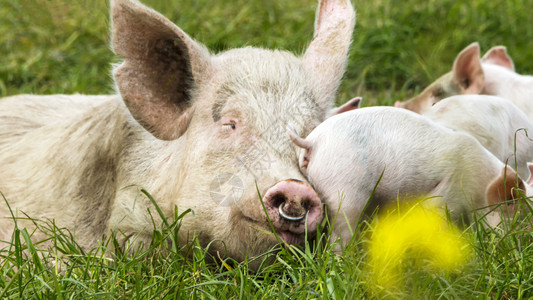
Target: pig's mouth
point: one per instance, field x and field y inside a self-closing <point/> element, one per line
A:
<point x="292" y="238"/>
<point x="288" y="236"/>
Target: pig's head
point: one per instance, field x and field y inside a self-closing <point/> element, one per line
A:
<point x="468" y="76"/>
<point x="224" y="119"/>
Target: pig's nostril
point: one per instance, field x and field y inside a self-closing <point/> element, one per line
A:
<point x="290" y="218"/>
<point x="278" y="199"/>
<point x="306" y="204"/>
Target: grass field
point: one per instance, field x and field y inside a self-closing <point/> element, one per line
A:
<point x="59" y="46"/>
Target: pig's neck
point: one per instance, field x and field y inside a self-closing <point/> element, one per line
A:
<point x="159" y="164"/>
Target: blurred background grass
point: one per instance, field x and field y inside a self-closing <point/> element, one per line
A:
<point x="61" y="46"/>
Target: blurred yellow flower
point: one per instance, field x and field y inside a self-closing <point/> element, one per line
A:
<point x="416" y="232"/>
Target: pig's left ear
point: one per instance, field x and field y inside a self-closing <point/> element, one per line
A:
<point x="498" y="56"/>
<point x="503" y="188"/>
<point x="296" y="139"/>
<point x="349" y="105"/>
<point x="467" y="71"/>
<point x="161" y="68"/>
<point x="326" y="57"/>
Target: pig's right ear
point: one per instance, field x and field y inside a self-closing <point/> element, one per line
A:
<point x="296" y="139"/>
<point x="498" y="56"/>
<point x="348" y="106"/>
<point x="161" y="67"/>
<point x="325" y="58"/>
<point x="467" y="71"/>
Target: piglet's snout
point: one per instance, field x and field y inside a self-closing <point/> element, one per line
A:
<point x="290" y="203"/>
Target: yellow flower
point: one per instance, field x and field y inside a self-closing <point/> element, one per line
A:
<point x="414" y="232"/>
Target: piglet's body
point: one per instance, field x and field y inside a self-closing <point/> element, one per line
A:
<point x="499" y="125"/>
<point x="345" y="156"/>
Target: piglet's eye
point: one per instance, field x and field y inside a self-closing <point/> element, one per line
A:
<point x="229" y="126"/>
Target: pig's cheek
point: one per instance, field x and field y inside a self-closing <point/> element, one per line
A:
<point x="246" y="207"/>
<point x="228" y="138"/>
<point x="433" y="100"/>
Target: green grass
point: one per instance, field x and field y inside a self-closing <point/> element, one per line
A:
<point x="399" y="47"/>
<point x="499" y="268"/>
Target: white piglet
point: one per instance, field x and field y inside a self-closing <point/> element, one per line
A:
<point x="499" y="125"/>
<point x="345" y="156"/>
<point x="493" y="74"/>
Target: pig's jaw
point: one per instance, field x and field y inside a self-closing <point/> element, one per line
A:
<point x="294" y="234"/>
<point x="291" y="238"/>
<point x="289" y="234"/>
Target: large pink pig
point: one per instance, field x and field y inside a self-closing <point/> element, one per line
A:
<point x="198" y="131"/>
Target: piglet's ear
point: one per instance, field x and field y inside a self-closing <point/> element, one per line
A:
<point x="498" y="56"/>
<point x="467" y="71"/>
<point x="161" y="67"/>
<point x="326" y="56"/>
<point x="348" y="106"/>
<point x="296" y="139"/>
<point x="504" y="188"/>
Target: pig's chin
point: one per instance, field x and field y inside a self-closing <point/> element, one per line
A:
<point x="292" y="238"/>
<point x="288" y="236"/>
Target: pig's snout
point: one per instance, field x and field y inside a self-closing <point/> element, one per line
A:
<point x="289" y="204"/>
<point x="398" y="104"/>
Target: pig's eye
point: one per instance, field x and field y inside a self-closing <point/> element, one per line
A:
<point x="439" y="94"/>
<point x="229" y="126"/>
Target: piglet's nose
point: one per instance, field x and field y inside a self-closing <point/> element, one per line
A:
<point x="398" y="104"/>
<point x="289" y="202"/>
